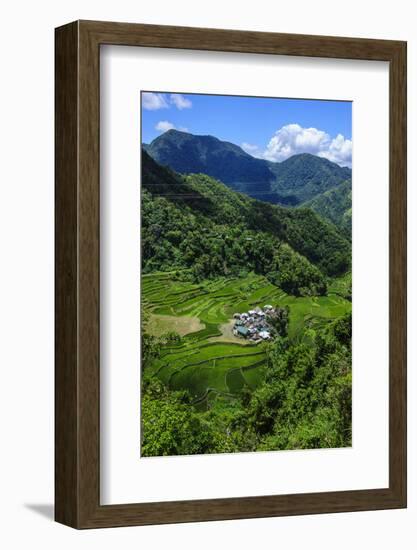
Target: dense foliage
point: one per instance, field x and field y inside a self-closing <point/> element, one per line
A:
<point x="170" y="424"/>
<point x="294" y="274"/>
<point x="304" y="402"/>
<point x="335" y="205"/>
<point x="195" y="222"/>
<point x="304" y="176"/>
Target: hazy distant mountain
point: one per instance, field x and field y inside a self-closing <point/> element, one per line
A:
<point x="291" y="182"/>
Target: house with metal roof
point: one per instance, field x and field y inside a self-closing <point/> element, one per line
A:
<point x="242" y="331"/>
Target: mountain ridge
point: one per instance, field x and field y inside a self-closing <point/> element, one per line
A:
<point x="291" y="182"/>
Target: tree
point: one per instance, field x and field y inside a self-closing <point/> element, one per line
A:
<point x="279" y="320"/>
<point x="151" y="348"/>
<point x="170" y="426"/>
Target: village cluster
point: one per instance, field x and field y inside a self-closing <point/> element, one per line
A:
<point x="254" y="325"/>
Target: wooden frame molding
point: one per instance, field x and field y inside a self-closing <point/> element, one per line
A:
<point x="77" y="372"/>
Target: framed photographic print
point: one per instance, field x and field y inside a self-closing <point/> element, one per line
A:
<point x="230" y="274"/>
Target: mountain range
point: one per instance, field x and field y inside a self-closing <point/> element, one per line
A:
<point x="298" y="180"/>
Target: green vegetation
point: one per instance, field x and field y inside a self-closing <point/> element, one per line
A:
<point x="212" y="374"/>
<point x="342" y="286"/>
<point x="198" y="223"/>
<point x="306" y="176"/>
<point x="208" y="253"/>
<point x="297" y="396"/>
<point x="335" y="205"/>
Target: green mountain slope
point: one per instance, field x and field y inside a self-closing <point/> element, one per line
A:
<point x="198" y="223"/>
<point x="335" y="205"/>
<point x="290" y="183"/>
<point x="305" y="176"/>
<point x="186" y="153"/>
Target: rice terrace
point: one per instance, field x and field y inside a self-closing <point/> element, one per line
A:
<point x="205" y="362"/>
<point x="246" y="284"/>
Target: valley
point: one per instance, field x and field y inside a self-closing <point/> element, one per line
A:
<point x="225" y="238"/>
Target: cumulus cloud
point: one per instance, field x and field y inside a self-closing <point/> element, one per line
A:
<point x="253" y="150"/>
<point x="152" y="101"/>
<point x="164" y="126"/>
<point x="339" y="151"/>
<point x="180" y="101"/>
<point x="293" y="139"/>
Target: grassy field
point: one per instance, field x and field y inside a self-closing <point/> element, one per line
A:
<point x="202" y="363"/>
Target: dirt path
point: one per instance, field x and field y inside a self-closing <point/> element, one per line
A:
<point x="228" y="336"/>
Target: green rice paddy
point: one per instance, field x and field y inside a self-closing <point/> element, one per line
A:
<point x="202" y="363"/>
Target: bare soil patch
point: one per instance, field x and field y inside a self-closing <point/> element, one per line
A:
<point x="228" y="336"/>
<point x="160" y="324"/>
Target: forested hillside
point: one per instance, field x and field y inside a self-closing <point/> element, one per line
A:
<point x="198" y="223"/>
<point x="335" y="205"/>
<point x="305" y="176"/>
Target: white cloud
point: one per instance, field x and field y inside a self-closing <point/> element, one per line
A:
<point x="153" y="102"/>
<point x="180" y="101"/>
<point x="164" y="126"/>
<point x="339" y="151"/>
<point x="253" y="150"/>
<point x="293" y="139"/>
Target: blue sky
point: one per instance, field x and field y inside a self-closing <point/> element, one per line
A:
<point x="270" y="128"/>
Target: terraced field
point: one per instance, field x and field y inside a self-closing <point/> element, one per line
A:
<point x="202" y="363"/>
